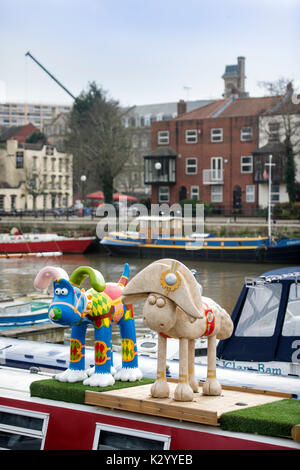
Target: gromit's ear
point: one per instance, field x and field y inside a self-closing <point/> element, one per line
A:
<point x="96" y="279"/>
<point x="47" y="274"/>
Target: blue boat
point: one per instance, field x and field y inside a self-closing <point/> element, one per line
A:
<point x="23" y="311"/>
<point x="266" y="317"/>
<point x="160" y="237"/>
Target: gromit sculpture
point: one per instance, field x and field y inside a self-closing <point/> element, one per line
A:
<point x="100" y="306"/>
<point x="174" y="307"/>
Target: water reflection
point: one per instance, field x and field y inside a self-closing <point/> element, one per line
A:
<point x="220" y="281"/>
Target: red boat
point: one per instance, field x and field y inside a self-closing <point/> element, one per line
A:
<point x="30" y="243"/>
<point x="117" y="420"/>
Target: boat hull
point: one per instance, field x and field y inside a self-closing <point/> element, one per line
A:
<point x="61" y="426"/>
<point x="284" y="254"/>
<point x="79" y="245"/>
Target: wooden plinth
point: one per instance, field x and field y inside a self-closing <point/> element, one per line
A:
<point x="203" y="409"/>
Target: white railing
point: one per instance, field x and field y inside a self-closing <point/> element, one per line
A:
<point x="213" y="177"/>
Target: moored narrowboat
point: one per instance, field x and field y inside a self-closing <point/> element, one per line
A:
<point x="162" y="236"/>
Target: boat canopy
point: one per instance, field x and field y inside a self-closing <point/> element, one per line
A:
<point x="266" y="319"/>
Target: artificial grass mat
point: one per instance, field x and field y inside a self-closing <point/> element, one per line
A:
<point x="271" y="419"/>
<point x="75" y="392"/>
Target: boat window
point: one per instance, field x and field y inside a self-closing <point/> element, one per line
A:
<point x="259" y="314"/>
<point x="22" y="429"/>
<point x="148" y="344"/>
<point x="291" y="325"/>
<point x="109" y="437"/>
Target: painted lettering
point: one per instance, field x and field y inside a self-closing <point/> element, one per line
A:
<point x="296" y="354"/>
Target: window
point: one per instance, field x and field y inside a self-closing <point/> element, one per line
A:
<point x="163" y="137"/>
<point x="259" y="314"/>
<point x="216" y="135"/>
<point x="246" y="134"/>
<point x="53" y="164"/>
<point x="34" y="163"/>
<point x="45" y="182"/>
<point x="275" y="193"/>
<point x="191" y="166"/>
<point x="191" y="136"/>
<point x="216" y="166"/>
<point x="49" y="150"/>
<point x="247" y="164"/>
<point x="13" y="198"/>
<point x="291" y="325"/>
<point x="22" y="429"/>
<point x="250" y="193"/>
<point x="163" y="194"/>
<point x="45" y="163"/>
<point x="2" y="201"/>
<point x="117" y="438"/>
<point x="20" y="160"/>
<point x="216" y="193"/>
<point x="274" y="131"/>
<point x="194" y="193"/>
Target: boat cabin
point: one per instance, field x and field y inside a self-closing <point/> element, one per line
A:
<point x="267" y="321"/>
<point x="159" y="226"/>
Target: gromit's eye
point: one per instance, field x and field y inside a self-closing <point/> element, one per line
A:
<point x="64" y="291"/>
<point x="57" y="291"/>
<point x="151" y="299"/>
<point x="160" y="302"/>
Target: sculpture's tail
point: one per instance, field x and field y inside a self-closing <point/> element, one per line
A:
<point x="125" y="275"/>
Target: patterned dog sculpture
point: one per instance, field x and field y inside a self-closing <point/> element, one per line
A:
<point x="100" y="306"/>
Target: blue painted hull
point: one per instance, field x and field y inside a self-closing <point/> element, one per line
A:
<point x="212" y="248"/>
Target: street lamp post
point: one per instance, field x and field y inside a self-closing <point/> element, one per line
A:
<point x="83" y="180"/>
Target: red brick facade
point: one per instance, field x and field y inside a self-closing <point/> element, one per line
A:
<point x="230" y="146"/>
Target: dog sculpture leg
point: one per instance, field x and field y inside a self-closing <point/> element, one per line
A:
<point x="75" y="372"/>
<point x="102" y="376"/>
<point x="129" y="371"/>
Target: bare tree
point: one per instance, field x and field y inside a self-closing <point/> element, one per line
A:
<point x="99" y="142"/>
<point x="287" y="114"/>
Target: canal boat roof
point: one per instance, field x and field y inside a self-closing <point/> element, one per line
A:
<point x="266" y="319"/>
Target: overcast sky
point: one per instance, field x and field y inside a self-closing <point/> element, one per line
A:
<point x="144" y="51"/>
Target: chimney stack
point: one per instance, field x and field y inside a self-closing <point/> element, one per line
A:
<point x="181" y="107"/>
<point x="241" y="68"/>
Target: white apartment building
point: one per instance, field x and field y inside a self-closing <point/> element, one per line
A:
<point x="19" y="114"/>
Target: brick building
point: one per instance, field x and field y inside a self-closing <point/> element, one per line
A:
<point x="19" y="133"/>
<point x="207" y="154"/>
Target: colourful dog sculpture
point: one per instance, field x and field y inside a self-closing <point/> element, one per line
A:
<point x="100" y="306"/>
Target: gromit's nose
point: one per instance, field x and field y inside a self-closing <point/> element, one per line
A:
<point x="55" y="314"/>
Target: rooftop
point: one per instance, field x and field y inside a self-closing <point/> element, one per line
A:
<point x="234" y="107"/>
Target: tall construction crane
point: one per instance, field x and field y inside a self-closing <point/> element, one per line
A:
<point x="50" y="74"/>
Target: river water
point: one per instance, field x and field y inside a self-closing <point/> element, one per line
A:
<point x="221" y="281"/>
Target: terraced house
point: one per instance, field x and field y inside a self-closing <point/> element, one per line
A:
<point x="209" y="154"/>
<point x="34" y="177"/>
